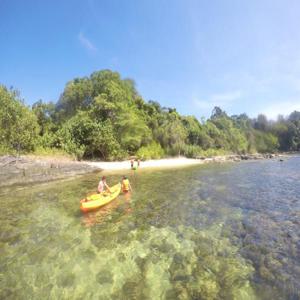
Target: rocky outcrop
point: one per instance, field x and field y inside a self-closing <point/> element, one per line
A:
<point x="239" y="157"/>
<point x="24" y="170"/>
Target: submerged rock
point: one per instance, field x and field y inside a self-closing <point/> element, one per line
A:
<point x="159" y="263"/>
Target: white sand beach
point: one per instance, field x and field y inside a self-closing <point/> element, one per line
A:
<point x="158" y="163"/>
<point x="180" y="161"/>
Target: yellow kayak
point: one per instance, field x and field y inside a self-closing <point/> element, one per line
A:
<point x="97" y="200"/>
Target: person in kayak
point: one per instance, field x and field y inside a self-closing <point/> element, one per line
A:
<point x="102" y="186"/>
<point x="126" y="187"/>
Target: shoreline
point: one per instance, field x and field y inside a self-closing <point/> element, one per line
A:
<point x="25" y="170"/>
<point x="181" y="161"/>
<point x="153" y="163"/>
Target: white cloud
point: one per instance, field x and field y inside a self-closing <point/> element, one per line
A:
<point x="86" y="43"/>
<point x="223" y="100"/>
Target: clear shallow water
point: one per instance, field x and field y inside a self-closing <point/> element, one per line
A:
<point x="226" y="231"/>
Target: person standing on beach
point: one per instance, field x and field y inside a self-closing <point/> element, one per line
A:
<point x="131" y="163"/>
<point x="102" y="186"/>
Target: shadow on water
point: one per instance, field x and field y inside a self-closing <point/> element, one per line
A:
<point x="211" y="232"/>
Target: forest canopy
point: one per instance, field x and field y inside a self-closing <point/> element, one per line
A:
<point x="104" y="117"/>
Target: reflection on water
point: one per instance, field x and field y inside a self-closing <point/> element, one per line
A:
<point x="208" y="232"/>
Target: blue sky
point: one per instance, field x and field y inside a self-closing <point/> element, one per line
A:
<point x="243" y="56"/>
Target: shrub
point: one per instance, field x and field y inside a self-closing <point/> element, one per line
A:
<point x="213" y="152"/>
<point x="154" y="150"/>
<point x="4" y="149"/>
<point x="192" y="151"/>
<point x="41" y="151"/>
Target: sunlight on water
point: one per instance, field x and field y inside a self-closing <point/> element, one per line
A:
<point x="209" y="232"/>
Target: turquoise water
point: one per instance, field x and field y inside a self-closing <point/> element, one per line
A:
<point x="227" y="231"/>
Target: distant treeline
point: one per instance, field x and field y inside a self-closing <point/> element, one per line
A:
<point x="104" y="117"/>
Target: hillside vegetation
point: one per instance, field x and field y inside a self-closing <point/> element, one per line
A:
<point x="104" y="117"/>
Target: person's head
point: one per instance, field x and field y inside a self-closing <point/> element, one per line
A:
<point x="103" y="178"/>
<point x="124" y="177"/>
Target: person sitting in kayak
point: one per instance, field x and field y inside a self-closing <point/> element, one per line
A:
<point x="102" y="186"/>
<point x="126" y="187"/>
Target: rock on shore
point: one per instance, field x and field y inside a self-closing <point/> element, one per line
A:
<point x="239" y="157"/>
<point x="24" y="170"/>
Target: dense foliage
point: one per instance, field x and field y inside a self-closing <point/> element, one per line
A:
<point x="18" y="124"/>
<point x="103" y="116"/>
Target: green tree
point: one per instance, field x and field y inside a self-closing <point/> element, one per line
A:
<point x="103" y="116"/>
<point x="18" y="125"/>
<point x="77" y="95"/>
<point x="266" y="142"/>
<point x="85" y="137"/>
<point x="45" y="115"/>
<point x="171" y="133"/>
<point x="132" y="131"/>
<point x="261" y="122"/>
